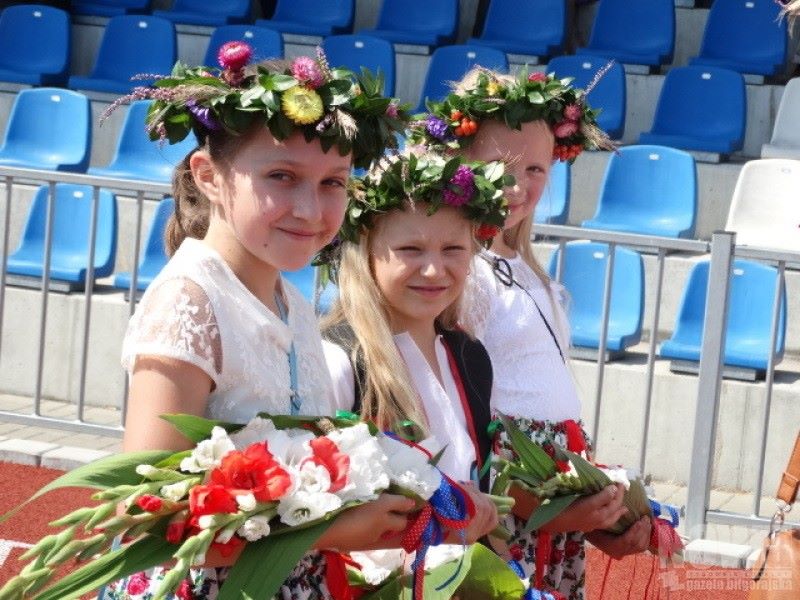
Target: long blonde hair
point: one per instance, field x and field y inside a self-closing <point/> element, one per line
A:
<point x="388" y="396"/>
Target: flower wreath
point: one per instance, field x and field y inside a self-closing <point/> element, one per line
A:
<point x="475" y="187"/>
<point x="454" y="121"/>
<point x="335" y="105"/>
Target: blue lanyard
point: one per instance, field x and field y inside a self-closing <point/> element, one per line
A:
<point x="294" y="397"/>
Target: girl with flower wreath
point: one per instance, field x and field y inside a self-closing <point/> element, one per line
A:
<point x="219" y="332"/>
<point x="517" y="311"/>
<point x="395" y="353"/>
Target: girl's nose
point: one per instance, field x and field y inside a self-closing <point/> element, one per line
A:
<point x="432" y="266"/>
<point x="308" y="205"/>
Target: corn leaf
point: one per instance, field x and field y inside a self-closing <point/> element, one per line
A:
<point x="534" y="459"/>
<point x="548" y="510"/>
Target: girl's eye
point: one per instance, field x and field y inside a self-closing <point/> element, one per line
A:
<point x="455" y="249"/>
<point x="280" y="176"/>
<point x="335" y="182"/>
<point x="533" y="169"/>
<point x="408" y="249"/>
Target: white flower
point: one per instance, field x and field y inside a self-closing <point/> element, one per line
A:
<point x="225" y="535"/>
<point x="377" y="565"/>
<point x="368" y="474"/>
<point x="255" y="431"/>
<point x="176" y="491"/>
<point x="208" y="454"/>
<point x="301" y="507"/>
<point x="246" y="502"/>
<point x="206" y="521"/>
<point x="313" y="478"/>
<point x="254" y="528"/>
<point x="409" y="468"/>
<point x="146" y="470"/>
<point x="617" y="475"/>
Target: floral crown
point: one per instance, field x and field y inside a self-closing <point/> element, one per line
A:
<point x="334" y="105"/>
<point x="475" y="187"/>
<point x="454" y="121"/>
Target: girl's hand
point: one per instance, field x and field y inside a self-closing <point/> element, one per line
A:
<point x="484" y="521"/>
<point x="369" y="526"/>
<point x="524" y="502"/>
<point x="598" y="511"/>
<point x="636" y="539"/>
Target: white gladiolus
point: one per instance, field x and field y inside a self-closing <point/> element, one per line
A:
<point x="313" y="478"/>
<point x="254" y="528"/>
<point x="208" y="454"/>
<point x="409" y="468"/>
<point x="302" y="507"/>
<point x="377" y="565"/>
<point x="146" y="470"/>
<point x="206" y="521"/>
<point x="617" y="475"/>
<point x="225" y="535"/>
<point x="368" y="474"/>
<point x="176" y="491"/>
<point x="246" y="502"/>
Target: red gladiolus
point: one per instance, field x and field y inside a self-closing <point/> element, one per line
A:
<point x="255" y="470"/>
<point x="229" y="547"/>
<point x="175" y="531"/>
<point x="211" y="500"/>
<point x="326" y="454"/>
<point x="149" y="503"/>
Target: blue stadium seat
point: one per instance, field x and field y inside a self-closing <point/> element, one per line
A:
<point x="524" y="27"/>
<point x="553" y="206"/>
<point x="311" y="17"/>
<point x="651" y="190"/>
<point x="70" y="235"/>
<point x="419" y="22"/>
<point x="584" y="277"/>
<point x="209" y="14"/>
<point x="154" y="256"/>
<point x="700" y="108"/>
<point x="640" y="33"/>
<point x="745" y="36"/>
<point x="34" y="45"/>
<point x="49" y="128"/>
<point x="266" y="43"/>
<point x="752" y="295"/>
<point x="356" y="51"/>
<point x="608" y="94"/>
<point x="109" y="8"/>
<point x="137" y="157"/>
<point x="131" y="45"/>
<point x="450" y="63"/>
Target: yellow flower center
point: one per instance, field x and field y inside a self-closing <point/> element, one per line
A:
<point x="302" y="105"/>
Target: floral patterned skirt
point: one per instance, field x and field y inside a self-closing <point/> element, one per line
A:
<point x="306" y="582"/>
<point x="565" y="571"/>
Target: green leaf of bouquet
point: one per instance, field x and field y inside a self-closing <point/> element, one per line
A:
<point x="534" y="459"/>
<point x="490" y="577"/>
<point x="264" y="565"/>
<point x="143" y="554"/>
<point x="548" y="510"/>
<point x="194" y="428"/>
<point x="102" y="474"/>
<point x="281" y="82"/>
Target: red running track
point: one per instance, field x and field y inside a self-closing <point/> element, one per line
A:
<point x="635" y="578"/>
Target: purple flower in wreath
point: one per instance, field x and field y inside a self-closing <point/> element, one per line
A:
<point x="464" y="183"/>
<point x="436" y="127"/>
<point x="204" y="115"/>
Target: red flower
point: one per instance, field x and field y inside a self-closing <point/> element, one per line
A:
<point x="137" y="584"/>
<point x="175" y="531"/>
<point x="234" y="55"/>
<point x="572" y="548"/>
<point x="486" y="231"/>
<point x="565" y="129"/>
<point x="562" y="466"/>
<point x="254" y="470"/>
<point x="211" y="500"/>
<point x="149" y="503"/>
<point x="184" y="591"/>
<point x="537" y="77"/>
<point x="229" y="547"/>
<point x="326" y="454"/>
<point x="575" y="440"/>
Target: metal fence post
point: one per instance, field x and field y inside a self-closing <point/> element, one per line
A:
<point x="709" y="382"/>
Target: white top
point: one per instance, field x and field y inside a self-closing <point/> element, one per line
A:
<point x="530" y="378"/>
<point x="442" y="404"/>
<point x="197" y="310"/>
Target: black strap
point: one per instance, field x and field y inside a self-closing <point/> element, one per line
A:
<point x="505" y="275"/>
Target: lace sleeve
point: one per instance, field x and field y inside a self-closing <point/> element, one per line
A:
<point x="477" y="300"/>
<point x="175" y="320"/>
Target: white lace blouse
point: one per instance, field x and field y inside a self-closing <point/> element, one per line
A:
<point x="198" y="311"/>
<point x="530" y="378"/>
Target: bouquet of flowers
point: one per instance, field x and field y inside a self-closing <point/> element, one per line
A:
<point x="558" y="480"/>
<point x="272" y="487"/>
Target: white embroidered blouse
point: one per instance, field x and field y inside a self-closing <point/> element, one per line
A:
<point x="530" y="378"/>
<point x="198" y="311"/>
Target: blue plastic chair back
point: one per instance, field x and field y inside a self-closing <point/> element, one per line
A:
<point x="137" y="157"/>
<point x="49" y="128"/>
<point x="745" y="35"/>
<point x="525" y="27"/>
<point x="70" y="234"/>
<point x="34" y="45"/>
<point x="203" y="12"/>
<point x="553" y="206"/>
<point x="651" y="190"/>
<point x="634" y="32"/>
<point x="356" y="51"/>
<point x="154" y="256"/>
<point x="435" y="21"/>
<point x="584" y="278"/>
<point x="749" y="325"/>
<point x="131" y="45"/>
<point x="266" y="43"/>
<point x="109" y="8"/>
<point x="450" y="63"/>
<point x="323" y="17"/>
<point x="608" y="94"/>
<point x="700" y="108"/>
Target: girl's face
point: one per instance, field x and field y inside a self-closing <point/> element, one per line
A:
<point x="420" y="262"/>
<point x="528" y="156"/>
<point x="281" y="201"/>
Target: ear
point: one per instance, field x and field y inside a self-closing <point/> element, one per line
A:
<point x="206" y="176"/>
